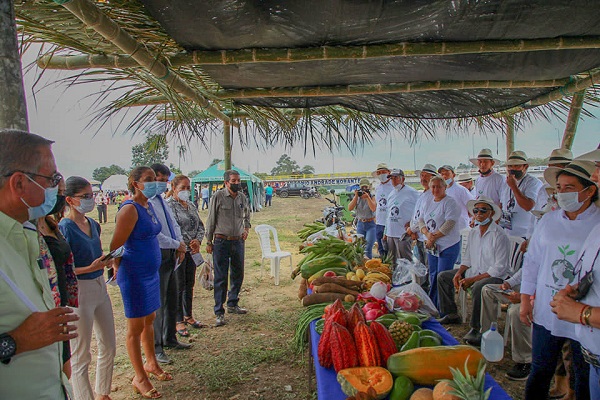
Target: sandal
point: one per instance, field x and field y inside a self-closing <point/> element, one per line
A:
<point x="182" y="332"/>
<point x="193" y="323"/>
<point x="150" y="394"/>
<point x="163" y="376"/>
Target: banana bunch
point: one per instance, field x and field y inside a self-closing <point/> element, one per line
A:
<point x="309" y="229"/>
<point x="375" y="276"/>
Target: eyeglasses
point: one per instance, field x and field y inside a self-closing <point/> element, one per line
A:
<point x="481" y="210"/>
<point x="54" y="179"/>
<point x="86" y="196"/>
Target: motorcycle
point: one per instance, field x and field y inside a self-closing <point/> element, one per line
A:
<point x="333" y="214"/>
<point x="307" y="194"/>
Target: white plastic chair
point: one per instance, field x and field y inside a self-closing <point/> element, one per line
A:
<point x="516" y="261"/>
<point x="264" y="237"/>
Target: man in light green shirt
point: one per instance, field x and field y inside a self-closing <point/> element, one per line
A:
<point x="31" y="328"/>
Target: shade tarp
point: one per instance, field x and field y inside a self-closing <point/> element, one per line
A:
<point x="234" y="24"/>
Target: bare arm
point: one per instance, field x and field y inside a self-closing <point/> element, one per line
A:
<point x="126" y="219"/>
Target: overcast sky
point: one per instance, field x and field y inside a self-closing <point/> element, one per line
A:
<point x="61" y="114"/>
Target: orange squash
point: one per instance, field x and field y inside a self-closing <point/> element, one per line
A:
<point x="354" y="380"/>
<point x="427" y="365"/>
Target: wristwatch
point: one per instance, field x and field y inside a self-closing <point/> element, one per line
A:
<point x="8" y="348"/>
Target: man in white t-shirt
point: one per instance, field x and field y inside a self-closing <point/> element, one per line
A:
<point x="425" y="175"/>
<point x="381" y="197"/>
<point x="467" y="181"/>
<point x="459" y="193"/>
<point x="489" y="183"/>
<point x="401" y="205"/>
<point x="518" y="197"/>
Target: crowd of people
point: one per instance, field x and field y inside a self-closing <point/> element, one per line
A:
<point x="529" y="245"/>
<point x="53" y="292"/>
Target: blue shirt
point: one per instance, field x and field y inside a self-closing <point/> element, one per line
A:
<point x="269" y="191"/>
<point x="162" y="212"/>
<point x="85" y="248"/>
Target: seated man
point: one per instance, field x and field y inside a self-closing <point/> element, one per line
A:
<point x="485" y="261"/>
<point x="520" y="334"/>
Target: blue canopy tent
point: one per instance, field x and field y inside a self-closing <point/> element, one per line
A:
<point x="213" y="177"/>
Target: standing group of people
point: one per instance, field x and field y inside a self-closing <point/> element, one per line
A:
<point x="53" y="293"/>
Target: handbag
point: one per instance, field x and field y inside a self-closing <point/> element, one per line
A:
<point x="207" y="277"/>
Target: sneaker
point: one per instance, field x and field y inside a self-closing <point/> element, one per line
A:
<point x="236" y="310"/>
<point x="450" y="319"/>
<point x="473" y="338"/>
<point x="163" y="358"/>
<point x="220" y="320"/>
<point x="519" y="372"/>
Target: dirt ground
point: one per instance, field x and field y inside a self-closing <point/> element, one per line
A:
<point x="250" y="357"/>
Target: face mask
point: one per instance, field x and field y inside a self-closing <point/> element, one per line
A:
<point x="149" y="190"/>
<point x="448" y="181"/>
<point x="161" y="187"/>
<point x="516" y="173"/>
<point x="484" y="222"/>
<point x="485" y="173"/>
<point x="60" y="203"/>
<point x="569" y="201"/>
<point x="49" y="201"/>
<point x="382" y="178"/>
<point x="234" y="187"/>
<point x="85" y="206"/>
<point x="184" y="195"/>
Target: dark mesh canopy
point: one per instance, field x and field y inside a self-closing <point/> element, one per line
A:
<point x="234" y="25"/>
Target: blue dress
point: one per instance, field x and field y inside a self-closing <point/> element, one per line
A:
<point x="138" y="272"/>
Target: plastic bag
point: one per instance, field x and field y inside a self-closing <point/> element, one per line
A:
<point x="207" y="277"/>
<point x="426" y="307"/>
<point x="406" y="271"/>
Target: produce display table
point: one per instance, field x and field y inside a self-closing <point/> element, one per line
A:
<point x="329" y="389"/>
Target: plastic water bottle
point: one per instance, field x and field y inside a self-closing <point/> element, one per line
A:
<point x="492" y="344"/>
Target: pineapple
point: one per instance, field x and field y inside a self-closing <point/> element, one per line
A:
<point x="469" y="387"/>
<point x="400" y="332"/>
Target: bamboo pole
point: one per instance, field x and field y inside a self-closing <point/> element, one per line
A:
<point x="573" y="119"/>
<point x="227" y="144"/>
<point x="93" y="17"/>
<point x="13" y="106"/>
<point x="575" y="85"/>
<point x="290" y="55"/>
<point x="510" y="134"/>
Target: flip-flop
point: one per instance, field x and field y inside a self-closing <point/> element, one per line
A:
<point x="183" y="332"/>
<point x="195" y="324"/>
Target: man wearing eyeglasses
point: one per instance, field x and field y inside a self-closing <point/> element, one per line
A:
<point x="485" y="261"/>
<point x="31" y="328"/>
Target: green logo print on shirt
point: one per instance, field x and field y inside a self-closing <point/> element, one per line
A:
<point x="562" y="268"/>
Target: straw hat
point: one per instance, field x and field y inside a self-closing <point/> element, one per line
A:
<point x="364" y="182"/>
<point x="429" y="168"/>
<point x="560" y="156"/>
<point x="593" y="155"/>
<point x="517" y="157"/>
<point x="380" y="166"/>
<point x="580" y="168"/>
<point x="464" y="178"/>
<point x="484" y="154"/>
<point x="489" y="202"/>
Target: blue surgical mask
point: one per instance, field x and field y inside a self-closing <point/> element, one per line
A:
<point x="161" y="187"/>
<point x="449" y="181"/>
<point x="49" y="201"/>
<point x="85" y="206"/>
<point x="149" y="190"/>
<point x="484" y="222"/>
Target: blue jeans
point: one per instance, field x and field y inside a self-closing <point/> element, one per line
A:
<point x="369" y="231"/>
<point x="204" y="202"/>
<point x="444" y="262"/>
<point x="268" y="198"/>
<point x="594" y="383"/>
<point x="227" y="254"/>
<point x="545" y="350"/>
<point x="380" y="249"/>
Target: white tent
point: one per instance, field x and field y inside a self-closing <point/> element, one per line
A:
<point x="115" y="182"/>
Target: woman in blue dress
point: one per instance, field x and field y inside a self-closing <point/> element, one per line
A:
<point x="136" y="230"/>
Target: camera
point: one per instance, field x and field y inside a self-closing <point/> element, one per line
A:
<point x="360" y="192"/>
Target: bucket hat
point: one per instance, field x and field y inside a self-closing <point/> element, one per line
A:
<point x="380" y="166"/>
<point x="429" y="168"/>
<point x="560" y="156"/>
<point x="464" y="178"/>
<point x="580" y="168"/>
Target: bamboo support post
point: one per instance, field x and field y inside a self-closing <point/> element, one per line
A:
<point x="323" y="53"/>
<point x="510" y="134"/>
<point x="13" y="107"/>
<point x="93" y="17"/>
<point x="227" y="144"/>
<point x="573" y="119"/>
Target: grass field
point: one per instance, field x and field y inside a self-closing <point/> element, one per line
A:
<point x="251" y="357"/>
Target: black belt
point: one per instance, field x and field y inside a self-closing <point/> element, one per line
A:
<point x="590" y="358"/>
<point x="218" y="235"/>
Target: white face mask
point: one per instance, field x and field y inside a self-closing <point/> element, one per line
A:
<point x="85" y="205"/>
<point x="184" y="195"/>
<point x="449" y="181"/>
<point x="484" y="222"/>
<point x="382" y="178"/>
<point x="569" y="201"/>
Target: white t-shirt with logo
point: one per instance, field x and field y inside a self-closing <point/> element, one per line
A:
<point x="521" y="221"/>
<point x="381" y="196"/>
<point x="550" y="260"/>
<point x="462" y="195"/>
<point x="435" y="213"/>
<point x="401" y="205"/>
<point x="490" y="186"/>
<point x="421" y="202"/>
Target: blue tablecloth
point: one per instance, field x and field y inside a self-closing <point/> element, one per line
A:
<point x="329" y="389"/>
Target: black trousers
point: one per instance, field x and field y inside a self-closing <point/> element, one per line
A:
<point x="186" y="278"/>
<point x="164" y="323"/>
